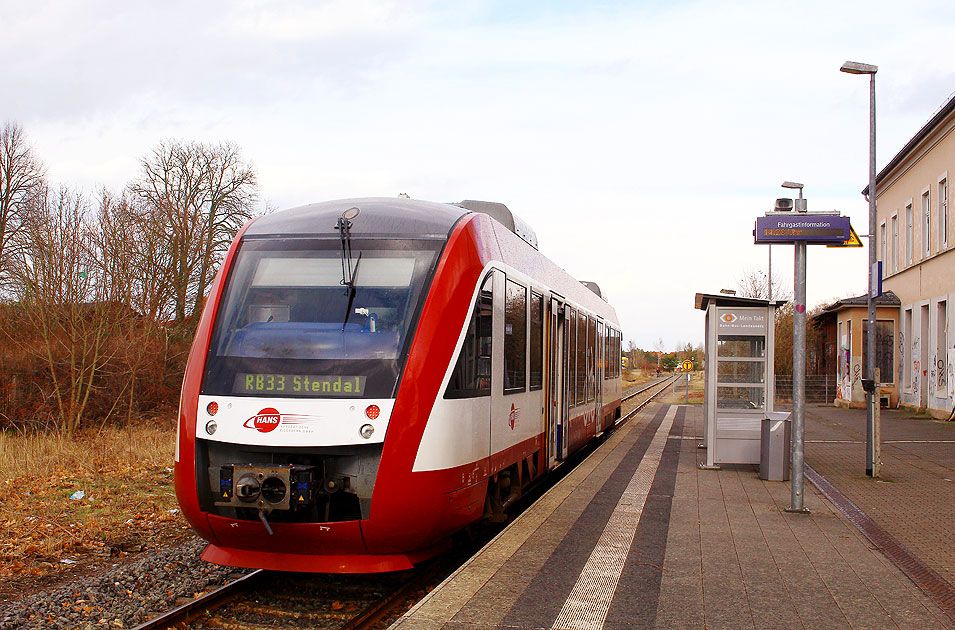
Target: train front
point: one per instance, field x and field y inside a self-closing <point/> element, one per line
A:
<point x="292" y="383"/>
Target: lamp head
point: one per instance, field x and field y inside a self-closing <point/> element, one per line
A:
<point x="854" y="67"/>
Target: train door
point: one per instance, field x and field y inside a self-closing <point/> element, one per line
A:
<point x="497" y="361"/>
<point x="556" y="448"/>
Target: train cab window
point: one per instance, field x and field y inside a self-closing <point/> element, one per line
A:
<point x="287" y="326"/>
<point x="537" y="341"/>
<point x="515" y="338"/>
<point x="472" y="372"/>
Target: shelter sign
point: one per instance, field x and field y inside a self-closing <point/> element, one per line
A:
<point x="742" y="321"/>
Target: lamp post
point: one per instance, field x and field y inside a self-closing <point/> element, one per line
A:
<point x="868" y="380"/>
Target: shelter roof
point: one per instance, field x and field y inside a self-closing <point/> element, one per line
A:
<point x="703" y="300"/>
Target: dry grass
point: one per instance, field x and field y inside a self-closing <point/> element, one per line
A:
<point x="680" y="394"/>
<point x="128" y="499"/>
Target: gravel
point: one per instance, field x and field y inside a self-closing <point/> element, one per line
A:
<point x="122" y="598"/>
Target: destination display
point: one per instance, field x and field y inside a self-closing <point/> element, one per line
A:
<point x="298" y="384"/>
<point x="812" y="228"/>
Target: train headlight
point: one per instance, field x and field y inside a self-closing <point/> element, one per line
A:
<point x="372" y="411"/>
<point x="212" y="408"/>
<point x="211" y="427"/>
<point x="367" y="431"/>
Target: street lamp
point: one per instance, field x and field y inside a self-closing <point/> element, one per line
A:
<point x="868" y="380"/>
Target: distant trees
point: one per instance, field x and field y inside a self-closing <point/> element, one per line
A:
<point x="192" y="199"/>
<point x="93" y="287"/>
<point x="754" y="283"/>
<point x="21" y="177"/>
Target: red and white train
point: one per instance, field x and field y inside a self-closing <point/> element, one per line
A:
<point x="370" y="376"/>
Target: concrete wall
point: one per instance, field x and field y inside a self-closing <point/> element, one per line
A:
<point x="926" y="286"/>
<point x="849" y="356"/>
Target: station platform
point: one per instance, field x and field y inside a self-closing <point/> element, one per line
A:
<point x="638" y="536"/>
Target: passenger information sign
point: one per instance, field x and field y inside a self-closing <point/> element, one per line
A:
<point x="812" y="228"/>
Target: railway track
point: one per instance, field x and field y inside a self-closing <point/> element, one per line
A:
<point x="661" y="384"/>
<point x="264" y="599"/>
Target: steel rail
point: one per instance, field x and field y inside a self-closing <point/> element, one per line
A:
<point x="203" y="604"/>
<point x="665" y="383"/>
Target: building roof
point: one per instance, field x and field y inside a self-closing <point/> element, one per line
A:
<point x="702" y="300"/>
<point x="888" y="298"/>
<point x="943" y="112"/>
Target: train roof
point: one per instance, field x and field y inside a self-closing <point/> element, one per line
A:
<point x="379" y="216"/>
<point x="385" y="216"/>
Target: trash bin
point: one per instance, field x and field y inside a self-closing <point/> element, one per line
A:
<point x="775" y="446"/>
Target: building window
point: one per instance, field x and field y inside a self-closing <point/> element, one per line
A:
<point x="472" y="373"/>
<point x="885" y="265"/>
<point x="884" y="349"/>
<point x="942" y="213"/>
<point x="537" y="341"/>
<point x="895" y="243"/>
<point x="515" y="337"/>
<point x="909" y="242"/>
<point x="926" y="225"/>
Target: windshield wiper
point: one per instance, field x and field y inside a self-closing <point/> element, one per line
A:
<point x="352" y="289"/>
<point x="348" y="272"/>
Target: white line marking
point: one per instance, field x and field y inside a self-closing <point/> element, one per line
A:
<point x="589" y="601"/>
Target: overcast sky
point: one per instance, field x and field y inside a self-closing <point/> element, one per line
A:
<point x="639" y="139"/>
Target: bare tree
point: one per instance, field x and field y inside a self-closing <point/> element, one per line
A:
<point x="21" y="176"/>
<point x="197" y="197"/>
<point x="59" y="277"/>
<point x="754" y="283"/>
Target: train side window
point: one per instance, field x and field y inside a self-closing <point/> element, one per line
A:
<point x="472" y="372"/>
<point x="515" y="338"/>
<point x="590" y="382"/>
<point x="537" y="341"/>
<point x="581" y="358"/>
<point x="571" y="325"/>
<point x="608" y="352"/>
<point x="617" y="338"/>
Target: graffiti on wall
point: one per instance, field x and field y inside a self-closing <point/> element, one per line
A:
<point x="901" y="354"/>
<point x="916" y="366"/>
<point x="931" y="374"/>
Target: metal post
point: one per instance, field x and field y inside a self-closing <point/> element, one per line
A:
<point x="870" y="302"/>
<point x="688" y="388"/>
<point x="799" y="377"/>
<point x="877" y="430"/>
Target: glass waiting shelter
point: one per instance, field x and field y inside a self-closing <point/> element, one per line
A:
<point x="739" y="379"/>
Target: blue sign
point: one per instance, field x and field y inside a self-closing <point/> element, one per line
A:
<point x="792" y="227"/>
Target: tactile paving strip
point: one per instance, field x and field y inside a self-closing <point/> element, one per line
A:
<point x="586" y="607"/>
<point x="931" y="583"/>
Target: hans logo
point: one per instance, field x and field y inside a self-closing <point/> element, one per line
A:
<point x="513" y="416"/>
<point x="728" y="318"/>
<point x="266" y="420"/>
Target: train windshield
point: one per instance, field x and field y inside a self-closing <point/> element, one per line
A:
<point x="295" y="322"/>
